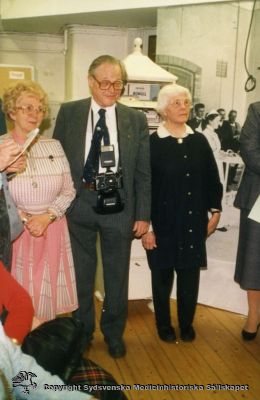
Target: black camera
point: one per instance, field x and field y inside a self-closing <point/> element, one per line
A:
<point x="109" y="199"/>
<point x="107" y="184"/>
<point x="108" y="181"/>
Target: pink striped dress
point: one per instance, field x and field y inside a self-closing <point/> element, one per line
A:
<point x="44" y="265"/>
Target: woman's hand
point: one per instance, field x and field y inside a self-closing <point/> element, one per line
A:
<point x="37" y="224"/>
<point x="18" y="166"/>
<point x="213" y="223"/>
<point x="9" y="150"/>
<point x="149" y="241"/>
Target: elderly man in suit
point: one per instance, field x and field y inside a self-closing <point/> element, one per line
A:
<point x="76" y="125"/>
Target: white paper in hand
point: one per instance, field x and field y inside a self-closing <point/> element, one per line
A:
<point x="31" y="136"/>
<point x="255" y="211"/>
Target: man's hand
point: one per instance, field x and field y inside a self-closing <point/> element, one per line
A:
<point x="140" y="228"/>
<point x="8" y="152"/>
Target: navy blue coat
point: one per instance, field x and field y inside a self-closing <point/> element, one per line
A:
<point x="185" y="186"/>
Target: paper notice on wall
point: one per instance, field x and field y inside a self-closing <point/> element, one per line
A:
<point x="255" y="212"/>
<point x="16" y="75"/>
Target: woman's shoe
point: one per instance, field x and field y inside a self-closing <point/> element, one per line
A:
<point x="249" y="335"/>
<point x="167" y="334"/>
<point x="188" y="334"/>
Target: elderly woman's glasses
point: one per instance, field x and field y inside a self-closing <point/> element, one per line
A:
<point x="179" y="103"/>
<point x="29" y="109"/>
<point x="104" y="85"/>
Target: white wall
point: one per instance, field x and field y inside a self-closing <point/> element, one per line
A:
<point x="61" y="61"/>
<point x="203" y="34"/>
<point x="46" y="54"/>
<point x="84" y="45"/>
<point x="24" y="8"/>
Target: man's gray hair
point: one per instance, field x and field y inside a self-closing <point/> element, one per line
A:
<point x="107" y="59"/>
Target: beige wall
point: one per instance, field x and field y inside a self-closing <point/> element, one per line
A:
<point x="203" y="34"/>
<point x="24" y="8"/>
<point x="85" y="44"/>
<point x="46" y="54"/>
<point x="61" y="61"/>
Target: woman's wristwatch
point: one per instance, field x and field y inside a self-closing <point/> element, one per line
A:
<point x="52" y="217"/>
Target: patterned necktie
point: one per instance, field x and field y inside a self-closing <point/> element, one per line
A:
<point x="92" y="162"/>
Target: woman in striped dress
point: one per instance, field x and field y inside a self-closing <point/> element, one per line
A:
<point x="42" y="258"/>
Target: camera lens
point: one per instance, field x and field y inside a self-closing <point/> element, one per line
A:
<point x="110" y="181"/>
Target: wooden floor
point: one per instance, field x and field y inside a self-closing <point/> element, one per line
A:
<point x="218" y="356"/>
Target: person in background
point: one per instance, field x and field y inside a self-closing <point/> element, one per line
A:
<point x="42" y="259"/>
<point x="77" y="128"/>
<point x="185" y="188"/>
<point x="212" y="124"/>
<point x="224" y="131"/>
<point x="236" y="130"/>
<point x="247" y="272"/>
<point x="197" y="123"/>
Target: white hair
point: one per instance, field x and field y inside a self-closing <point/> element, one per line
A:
<point x="166" y="93"/>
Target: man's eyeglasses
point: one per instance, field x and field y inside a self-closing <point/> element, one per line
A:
<point x="29" y="109"/>
<point x="104" y="85"/>
<point x="179" y="102"/>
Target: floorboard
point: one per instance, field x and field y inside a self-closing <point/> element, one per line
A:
<point x="183" y="371"/>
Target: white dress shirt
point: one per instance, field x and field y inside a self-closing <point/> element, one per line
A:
<point x="111" y="122"/>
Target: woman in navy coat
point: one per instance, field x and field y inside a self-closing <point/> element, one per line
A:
<point x="185" y="189"/>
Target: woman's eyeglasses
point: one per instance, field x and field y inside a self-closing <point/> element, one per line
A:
<point x="29" y="109"/>
<point x="179" y="103"/>
<point x="104" y="85"/>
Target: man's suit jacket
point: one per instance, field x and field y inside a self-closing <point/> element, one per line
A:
<point x="249" y="188"/>
<point x="194" y="123"/>
<point x="70" y="130"/>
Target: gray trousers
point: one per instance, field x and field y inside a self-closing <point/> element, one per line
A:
<point x="84" y="224"/>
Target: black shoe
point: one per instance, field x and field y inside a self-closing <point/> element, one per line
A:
<point x="249" y="335"/>
<point x="116" y="347"/>
<point x="188" y="334"/>
<point x="167" y="334"/>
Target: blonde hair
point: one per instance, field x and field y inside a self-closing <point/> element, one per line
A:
<point x="166" y="93"/>
<point x="14" y="91"/>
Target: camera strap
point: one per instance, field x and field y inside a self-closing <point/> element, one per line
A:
<point x="119" y="167"/>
